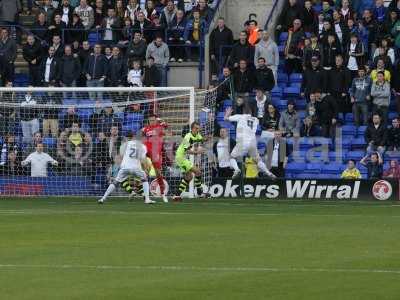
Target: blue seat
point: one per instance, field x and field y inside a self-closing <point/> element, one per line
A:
<point x="295" y="84"/>
<point x="85" y="113"/>
<point x="314" y="168"/>
<point x="296" y="167"/>
<point x="133" y="117"/>
<point x="358" y="143"/>
<point x="301" y="113"/>
<point x="297" y="156"/>
<point x="93" y="38"/>
<point x="355" y="155"/>
<point x="349" y="130"/>
<point x="281" y="49"/>
<point x="345" y="143"/>
<point x="296" y="77"/>
<point x="276" y="92"/>
<point x="131" y="127"/>
<point x="361" y="130"/>
<point x="392" y="155"/>
<point x="283" y="37"/>
<point x="317" y="156"/>
<point x="71" y="102"/>
<point x="226" y="124"/>
<point x="301" y="104"/>
<point x="291" y="92"/>
<point x="337" y="156"/>
<point x="282" y="104"/>
<point x="282" y="79"/>
<point x="203" y="117"/>
<point x="305" y="143"/>
<point x="349" y="118"/>
<point x="261" y="148"/>
<point x="227" y="103"/>
<point x="333" y="168"/>
<point x="220" y="116"/>
<point x="50" y="142"/>
<point x="393" y="115"/>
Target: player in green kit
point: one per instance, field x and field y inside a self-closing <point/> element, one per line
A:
<point x="190" y="146"/>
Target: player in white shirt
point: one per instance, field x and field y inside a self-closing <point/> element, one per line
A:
<point x="246" y="140"/>
<point x="131" y="165"/>
<point x="39" y="161"/>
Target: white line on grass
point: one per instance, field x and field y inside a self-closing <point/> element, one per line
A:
<point x="201" y="269"/>
<point x="175" y="213"/>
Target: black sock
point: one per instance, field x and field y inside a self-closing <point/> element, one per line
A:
<point x="183" y="185"/>
<point x="197" y="185"/>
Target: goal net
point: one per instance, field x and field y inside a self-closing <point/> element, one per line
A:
<point x="67" y="141"/>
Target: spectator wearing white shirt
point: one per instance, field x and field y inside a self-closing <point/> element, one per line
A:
<point x="278" y="151"/>
<point x="222" y="154"/>
<point x="49" y="69"/>
<point x="39" y="161"/>
<point x="135" y="75"/>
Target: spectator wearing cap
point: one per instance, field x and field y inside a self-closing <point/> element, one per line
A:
<point x="117" y="69"/>
<point x="312" y="50"/>
<point x="241" y="50"/>
<point x="360" y="96"/>
<point x="380" y="92"/>
<point x="175" y="34"/>
<point x="351" y="172"/>
<point x="289" y="123"/>
<point x="376" y="135"/>
<point x="268" y="50"/>
<point x="264" y="77"/>
<point x="220" y="36"/>
<point x="160" y="52"/>
<point x="290" y="12"/>
<point x="338" y="84"/>
<point x="393" y="141"/>
<point x="110" y="26"/>
<point x="96" y="71"/>
<point x="355" y="55"/>
<point x="293" y="48"/>
<point x="137" y="48"/>
<point x="313" y="78"/>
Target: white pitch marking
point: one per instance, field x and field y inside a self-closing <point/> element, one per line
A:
<point x="201" y="269"/>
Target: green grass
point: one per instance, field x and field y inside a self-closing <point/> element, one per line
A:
<point x="217" y="249"/>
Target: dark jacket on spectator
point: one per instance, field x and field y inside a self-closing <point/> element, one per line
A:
<point x="8" y="50"/>
<point x="265" y="79"/>
<point x="241" y="51"/>
<point x="96" y="66"/>
<point x="326" y="110"/>
<point x="309" y="131"/>
<point x="70" y="69"/>
<point x="339" y="80"/>
<point x="68" y="119"/>
<point x="57" y="30"/>
<point x="151" y="76"/>
<point x="270" y="122"/>
<point x="394" y="138"/>
<point x="76" y="32"/>
<point x="176" y="29"/>
<point x="376" y="135"/>
<point x="53" y="100"/>
<point x="329" y="52"/>
<point x="220" y="38"/>
<point x="54" y="70"/>
<point x="117" y="71"/>
<point x="32" y="52"/>
<point x="313" y="80"/>
<point x="40" y="30"/>
<point x="243" y="81"/>
<point x="144" y="28"/>
<point x="288" y="15"/>
<point x="137" y="51"/>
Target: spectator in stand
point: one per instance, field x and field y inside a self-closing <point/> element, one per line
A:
<point x="99" y="13"/>
<point x="290" y="12"/>
<point x="313" y="78"/>
<point x="58" y="47"/>
<point x="39" y="28"/>
<point x="168" y="14"/>
<point x="308" y="16"/>
<point x="328" y="30"/>
<point x="137" y="48"/>
<point x="313" y="50"/>
<point x="49" y="69"/>
<point x="175" y="34"/>
<point x="338" y="84"/>
<point x="264" y="77"/>
<point x="393" y="172"/>
<point x="50" y="113"/>
<point x="360" y="96"/>
<point x="9" y="146"/>
<point x="379" y="11"/>
<point x="289" y="123"/>
<point x="57" y="26"/>
<point x="150" y="11"/>
<point x="268" y="50"/>
<point x="309" y="128"/>
<point x="220" y="36"/>
<point x="260" y="106"/>
<point x="39" y="161"/>
<point x="36" y="139"/>
<point x="86" y="14"/>
<point x="194" y="33"/>
<point x="47" y="9"/>
<point x="241" y="50"/>
<point x="103" y="119"/>
<point x="75" y="136"/>
<point x="386" y="53"/>
<point x="278" y="151"/>
<point x="69" y="69"/>
<point x="271" y="119"/>
<point x="8" y="54"/>
<point x="70" y="118"/>
<point x="396" y="33"/>
<point x="253" y="32"/>
<point x="143" y="26"/>
<point x="96" y="71"/>
<point x="75" y="30"/>
<point x="346" y="12"/>
<point x="135" y="74"/>
<point x="151" y="75"/>
<point x="374" y="165"/>
<point x="326" y="10"/>
<point x="66" y="11"/>
<point x="28" y="115"/>
<point x="110" y="26"/>
<point x="293" y="48"/>
<point x="393" y="141"/>
<point x="311" y="107"/>
<point x="380" y="92"/>
<point x="125" y="33"/>
<point x="12" y="167"/>
<point x="330" y="49"/>
<point x="351" y="172"/>
<point x="380" y="67"/>
<point x="117" y="69"/>
<point x="100" y="154"/>
<point x="326" y="111"/>
<point x="107" y="53"/>
<point x="160" y="52"/>
<point x="371" y="26"/>
<point x="32" y="53"/>
<point x="157" y="28"/>
<point x="83" y="55"/>
<point x="376" y="135"/>
<point x="243" y="79"/>
<point x="355" y="55"/>
<point x="78" y="163"/>
<point x="222" y="149"/>
<point x="205" y="11"/>
<point x="7" y="114"/>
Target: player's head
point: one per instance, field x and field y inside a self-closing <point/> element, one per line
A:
<point x="39" y="147"/>
<point x="153" y="119"/>
<point x="247" y="110"/>
<point x="130" y="135"/>
<point x="223" y="132"/>
<point x="195" y="127"/>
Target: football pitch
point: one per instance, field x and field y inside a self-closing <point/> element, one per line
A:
<point x="72" y="248"/>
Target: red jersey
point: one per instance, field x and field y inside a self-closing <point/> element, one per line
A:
<point x="153" y="140"/>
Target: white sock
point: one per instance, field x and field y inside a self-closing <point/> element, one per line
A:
<point x="110" y="189"/>
<point x="146" y="189"/>
<point x="234" y="164"/>
<point x="262" y="167"/>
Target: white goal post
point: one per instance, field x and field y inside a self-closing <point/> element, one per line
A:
<point x="82" y="129"/>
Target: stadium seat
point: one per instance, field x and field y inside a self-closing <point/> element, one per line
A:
<point x="348" y="130"/>
<point x="131" y="127"/>
<point x="361" y="130"/>
<point x="283" y="37"/>
<point x="85" y="113"/>
<point x="281" y="49"/>
<point x="282" y="105"/>
<point x="296" y="167"/>
<point x="220" y="116"/>
<point x="345" y="143"/>
<point x="349" y="118"/>
<point x="133" y="117"/>
<point x="227" y="103"/>
<point x="355" y="155"/>
<point x="203" y="117"/>
<point x="282" y="79"/>
<point x="337" y="156"/>
<point x="70" y="102"/>
<point x="301" y="104"/>
<point x="393" y="115"/>
<point x="333" y="168"/>
<point x="305" y="143"/>
<point x="226" y="124"/>
<point x="314" y="168"/>
<point x="392" y="155"/>
<point x="291" y="92"/>
<point x="358" y="143"/>
<point x="317" y="156"/>
<point x="296" y="78"/>
<point x="297" y="155"/>
<point x="276" y="92"/>
<point x="302" y="114"/>
<point x="93" y="38"/>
